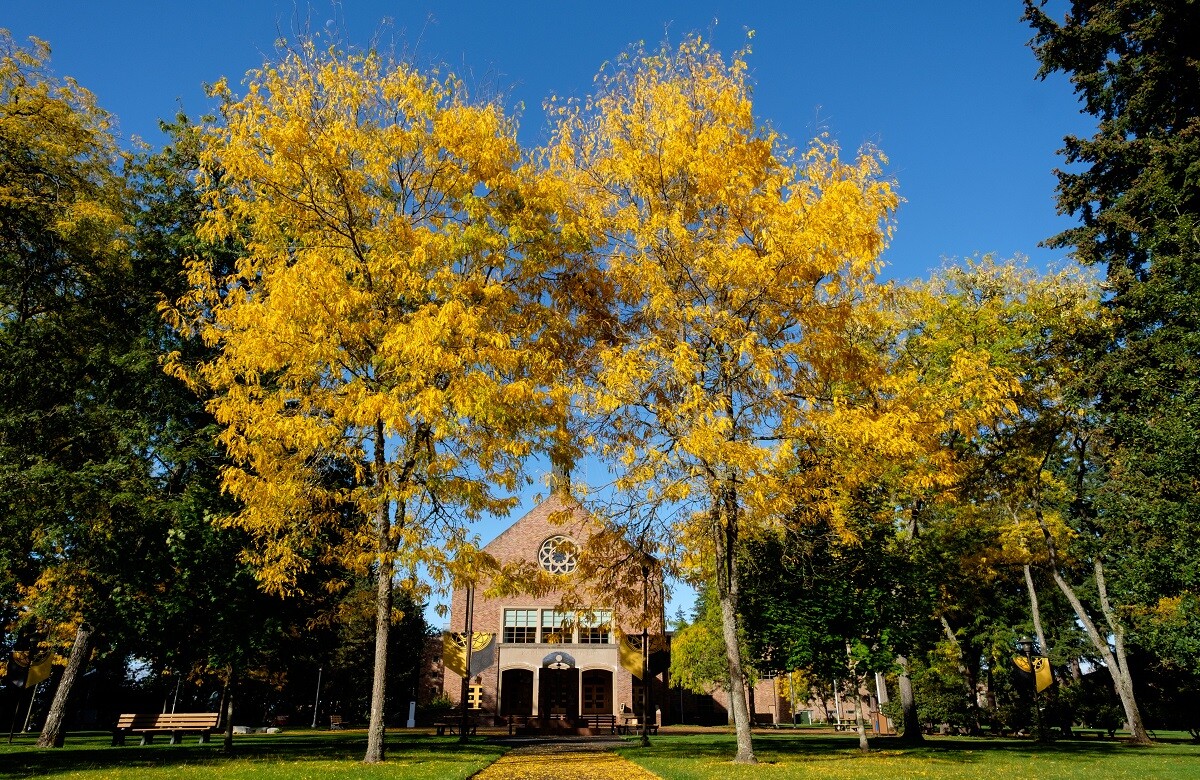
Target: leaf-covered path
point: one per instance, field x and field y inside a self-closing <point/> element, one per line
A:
<point x="564" y="761"/>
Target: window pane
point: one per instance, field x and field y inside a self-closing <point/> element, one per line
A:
<point x="520" y="617"/>
<point x="554" y="619"/>
<point x="520" y="634"/>
<point x="595" y="627"/>
<point x="557" y="626"/>
<point x="595" y="618"/>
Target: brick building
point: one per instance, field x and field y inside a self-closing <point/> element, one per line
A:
<point x="541" y="660"/>
<point x="544" y="661"/>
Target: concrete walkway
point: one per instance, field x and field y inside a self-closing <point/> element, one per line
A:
<point x="565" y="760"/>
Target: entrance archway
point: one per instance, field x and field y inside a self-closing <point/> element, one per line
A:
<point x="558" y="692"/>
<point x="516" y="692"/>
<point x="597" y="692"/>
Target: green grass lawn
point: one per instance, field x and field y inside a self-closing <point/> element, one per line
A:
<point x="828" y="757"/>
<point x="302" y="754"/>
<point x="294" y="755"/>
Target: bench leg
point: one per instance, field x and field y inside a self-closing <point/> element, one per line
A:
<point x="118" y="738"/>
<point x="176" y="737"/>
<point x="204" y="737"/>
<point x="147" y="738"/>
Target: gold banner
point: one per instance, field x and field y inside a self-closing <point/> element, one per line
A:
<point x="1041" y="670"/>
<point x="631" y="658"/>
<point x="454" y="651"/>
<point x="39" y="671"/>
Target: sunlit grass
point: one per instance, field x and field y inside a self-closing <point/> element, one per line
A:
<point x="826" y="757"/>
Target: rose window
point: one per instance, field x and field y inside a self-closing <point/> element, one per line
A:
<point x="558" y="555"/>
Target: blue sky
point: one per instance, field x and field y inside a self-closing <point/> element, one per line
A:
<point x="946" y="90"/>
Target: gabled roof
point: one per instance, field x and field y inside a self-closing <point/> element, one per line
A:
<point x="561" y="514"/>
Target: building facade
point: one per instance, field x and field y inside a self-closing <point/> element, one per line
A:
<point x="542" y="661"/>
<point x="531" y="659"/>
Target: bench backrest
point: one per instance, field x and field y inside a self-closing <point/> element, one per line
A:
<point x="169" y="720"/>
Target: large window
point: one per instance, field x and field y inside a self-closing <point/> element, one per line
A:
<point x="558" y="555"/>
<point x="520" y="626"/>
<point x="557" y="627"/>
<point x="594" y="627"/>
<point x="552" y="626"/>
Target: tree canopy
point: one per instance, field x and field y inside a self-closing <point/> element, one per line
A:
<point x="375" y="308"/>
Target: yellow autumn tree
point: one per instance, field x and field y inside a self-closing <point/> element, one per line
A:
<point x="1025" y="472"/>
<point x="735" y="265"/>
<point x="971" y="384"/>
<point x="382" y="320"/>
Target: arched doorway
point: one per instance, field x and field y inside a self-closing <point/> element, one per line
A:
<point x="597" y="689"/>
<point x="558" y="692"/>
<point x="558" y="686"/>
<point x="516" y="692"/>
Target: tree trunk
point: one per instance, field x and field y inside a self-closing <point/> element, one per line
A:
<point x="52" y="732"/>
<point x="863" y="744"/>
<point x="644" y="737"/>
<point x="383" y="606"/>
<point x="910" y="727"/>
<point x="1137" y="729"/>
<point x="726" y="533"/>
<point x="1117" y="668"/>
<point x="464" y="691"/>
<point x="227" y="701"/>
<point x="1035" y="611"/>
<point x="969" y="679"/>
<point x="852" y="668"/>
<point x="1122" y="682"/>
<point x="224" y="696"/>
<point x="824" y="695"/>
<point x="647" y="678"/>
<point x="383" y="624"/>
<point x="792" y="695"/>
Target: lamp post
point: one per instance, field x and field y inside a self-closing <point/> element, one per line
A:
<point x="1026" y="645"/>
<point x="465" y="694"/>
<point x="317" y="702"/>
<point x="647" y="680"/>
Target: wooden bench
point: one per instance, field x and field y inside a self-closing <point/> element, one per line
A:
<point x="630" y="725"/>
<point x="1097" y="733"/>
<point x="453" y="728"/>
<point x="335" y="722"/>
<point x="174" y="723"/>
<point x="601" y="723"/>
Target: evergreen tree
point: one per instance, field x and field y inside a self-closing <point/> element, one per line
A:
<point x="1135" y="65"/>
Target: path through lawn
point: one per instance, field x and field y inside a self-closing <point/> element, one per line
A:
<point x="564" y="761"/>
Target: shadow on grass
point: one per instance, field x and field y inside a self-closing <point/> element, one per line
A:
<point x="94" y="751"/>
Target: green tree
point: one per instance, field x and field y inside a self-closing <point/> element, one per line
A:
<point x="1135" y="66"/>
<point x="840" y="609"/>
<point x="1021" y="501"/>
<point x="76" y="354"/>
<point x="698" y="648"/>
